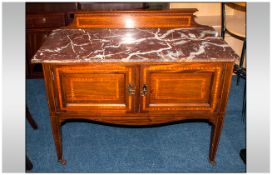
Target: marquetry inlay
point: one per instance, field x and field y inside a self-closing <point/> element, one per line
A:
<point x="132" y="21"/>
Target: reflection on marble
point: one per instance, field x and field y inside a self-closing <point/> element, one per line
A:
<point x="134" y="45"/>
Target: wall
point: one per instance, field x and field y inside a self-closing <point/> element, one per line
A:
<point x="205" y="9"/>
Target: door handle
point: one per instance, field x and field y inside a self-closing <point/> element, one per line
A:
<point x="144" y="91"/>
<point x="131" y="90"/>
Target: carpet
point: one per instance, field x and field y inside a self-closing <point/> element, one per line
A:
<point x="97" y="148"/>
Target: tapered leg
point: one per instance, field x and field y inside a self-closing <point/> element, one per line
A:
<point x="56" y="129"/>
<point x="216" y="132"/>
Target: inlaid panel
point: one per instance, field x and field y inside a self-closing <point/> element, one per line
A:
<point x="181" y="87"/>
<point x="135" y="19"/>
<point x="94" y="87"/>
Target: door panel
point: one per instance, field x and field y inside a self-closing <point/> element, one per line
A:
<point x="95" y="87"/>
<point x="181" y="87"/>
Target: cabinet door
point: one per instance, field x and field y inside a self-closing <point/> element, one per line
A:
<point x="181" y="87"/>
<point x="95" y="88"/>
<point x="34" y="40"/>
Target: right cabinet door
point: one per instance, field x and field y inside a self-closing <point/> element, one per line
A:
<point x="181" y="87"/>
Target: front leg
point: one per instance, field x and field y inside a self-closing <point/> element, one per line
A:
<point x="56" y="129"/>
<point x="216" y="132"/>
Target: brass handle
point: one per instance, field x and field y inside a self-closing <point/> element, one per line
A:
<point x="45" y="36"/>
<point x="44" y="20"/>
<point x="131" y="90"/>
<point x="145" y="90"/>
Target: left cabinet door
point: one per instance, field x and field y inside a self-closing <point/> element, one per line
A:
<point x="96" y="88"/>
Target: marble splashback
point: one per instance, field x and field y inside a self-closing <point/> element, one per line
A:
<point x="134" y="45"/>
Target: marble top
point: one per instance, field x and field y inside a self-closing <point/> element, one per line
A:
<point x="134" y="45"/>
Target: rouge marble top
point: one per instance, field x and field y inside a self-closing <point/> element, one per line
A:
<point x="134" y="45"/>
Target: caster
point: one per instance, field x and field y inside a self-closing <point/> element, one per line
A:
<point x="62" y="161"/>
<point x="212" y="162"/>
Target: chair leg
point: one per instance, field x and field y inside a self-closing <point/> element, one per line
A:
<point x="30" y="119"/>
<point x="34" y="125"/>
<point x="243" y="155"/>
<point x="223" y="20"/>
<point x="242" y="58"/>
<point x="29" y="164"/>
<point x="244" y="104"/>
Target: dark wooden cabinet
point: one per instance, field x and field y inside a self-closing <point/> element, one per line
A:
<point x="50" y="20"/>
<point x="34" y="39"/>
<point x="112" y="6"/>
<point x="38" y="27"/>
